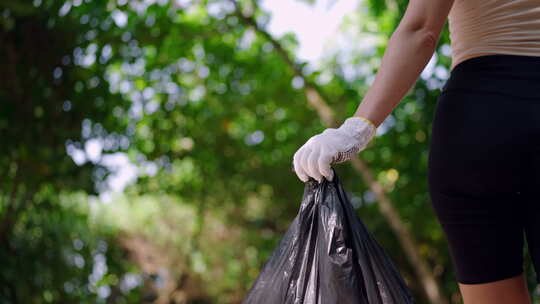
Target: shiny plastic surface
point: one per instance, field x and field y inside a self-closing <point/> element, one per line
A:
<point x="328" y="256"/>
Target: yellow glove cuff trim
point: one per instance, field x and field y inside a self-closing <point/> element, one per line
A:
<point x="369" y="121"/>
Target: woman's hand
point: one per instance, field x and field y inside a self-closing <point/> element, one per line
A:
<point x="314" y="158"/>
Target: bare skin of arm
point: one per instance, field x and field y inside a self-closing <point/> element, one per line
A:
<point x="409" y="50"/>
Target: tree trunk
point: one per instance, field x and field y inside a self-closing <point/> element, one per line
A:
<point x="318" y="102"/>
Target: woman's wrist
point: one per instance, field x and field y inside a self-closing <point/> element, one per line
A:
<point x="367" y="113"/>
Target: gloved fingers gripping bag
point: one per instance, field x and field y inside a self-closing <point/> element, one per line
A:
<point x="328" y="256"/>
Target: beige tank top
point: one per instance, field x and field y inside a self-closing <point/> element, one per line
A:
<point x="483" y="27"/>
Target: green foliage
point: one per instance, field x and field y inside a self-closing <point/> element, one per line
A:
<point x="54" y="256"/>
<point x="209" y="112"/>
<point x="197" y="94"/>
<point x="51" y="91"/>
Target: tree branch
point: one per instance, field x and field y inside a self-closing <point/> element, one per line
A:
<point x="317" y="100"/>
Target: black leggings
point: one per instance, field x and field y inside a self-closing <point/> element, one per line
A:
<point x="484" y="166"/>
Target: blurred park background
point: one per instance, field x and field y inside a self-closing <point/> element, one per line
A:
<point x="146" y="145"/>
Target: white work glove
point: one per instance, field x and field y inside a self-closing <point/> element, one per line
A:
<point x="331" y="146"/>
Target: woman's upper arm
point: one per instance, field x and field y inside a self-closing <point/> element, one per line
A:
<point x="426" y="15"/>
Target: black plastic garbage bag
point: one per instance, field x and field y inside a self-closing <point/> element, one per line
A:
<point x="328" y="256"/>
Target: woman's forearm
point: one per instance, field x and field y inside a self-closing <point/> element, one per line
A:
<point x="408" y="52"/>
